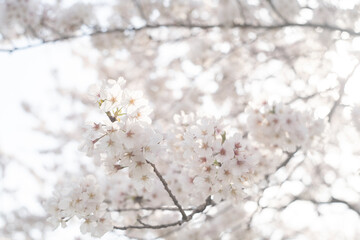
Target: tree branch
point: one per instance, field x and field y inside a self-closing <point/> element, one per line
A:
<point x="140" y="9"/>
<point x="287" y="160"/>
<point x="172" y="196"/>
<point x="143" y="225"/>
<point x="276" y="11"/>
<point x="308" y="97"/>
<point x="241" y="10"/>
<point x="341" y="92"/>
<point x="331" y="201"/>
<point x="290" y="155"/>
<point x="149" y="209"/>
<point x="147" y="226"/>
<point x="188" y="26"/>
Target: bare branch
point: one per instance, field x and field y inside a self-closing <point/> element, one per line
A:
<point x="164" y="183"/>
<point x="143" y="225"/>
<point x="276" y="11"/>
<point x="341" y="92"/>
<point x="351" y="32"/>
<point x="149" y="209"/>
<point x="287" y="160"/>
<point x="308" y="97"/>
<point x="147" y="226"/>
<point x="332" y="200"/>
<point x="290" y="155"/>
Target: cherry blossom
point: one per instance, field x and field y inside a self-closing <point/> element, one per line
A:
<point x="277" y="125"/>
<point x="182" y="149"/>
<point x="84" y="200"/>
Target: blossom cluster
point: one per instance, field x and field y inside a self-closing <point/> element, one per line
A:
<point x="189" y="56"/>
<point x="197" y="153"/>
<point x="84" y="200"/>
<point x="202" y="154"/>
<point x="218" y="164"/>
<point x="278" y="125"/>
<point x="126" y="139"/>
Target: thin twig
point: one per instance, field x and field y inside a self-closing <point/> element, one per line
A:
<point x="330" y="201"/>
<point x="147" y="226"/>
<point x="241" y="10"/>
<point x="290" y="155"/>
<point x="308" y="97"/>
<point x="276" y="11"/>
<point x="140" y="9"/>
<point x="149" y="209"/>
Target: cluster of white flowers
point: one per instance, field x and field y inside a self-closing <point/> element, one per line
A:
<point x="200" y="155"/>
<point x="218" y="164"/>
<point x="278" y="125"/>
<point x="84" y="200"/>
<point x="127" y="139"/>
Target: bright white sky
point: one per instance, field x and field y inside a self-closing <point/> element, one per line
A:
<point x="26" y="76"/>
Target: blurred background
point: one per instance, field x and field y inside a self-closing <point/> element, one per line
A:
<point x="209" y="56"/>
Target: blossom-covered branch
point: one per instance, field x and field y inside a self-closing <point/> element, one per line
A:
<point x="247" y="104"/>
<point x="220" y="164"/>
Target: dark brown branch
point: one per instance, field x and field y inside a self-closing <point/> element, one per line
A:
<point x="290" y="155"/>
<point x="172" y="196"/>
<point x="188" y="26"/>
<point x="112" y="118"/>
<point x="143" y="225"/>
<point x="200" y="208"/>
